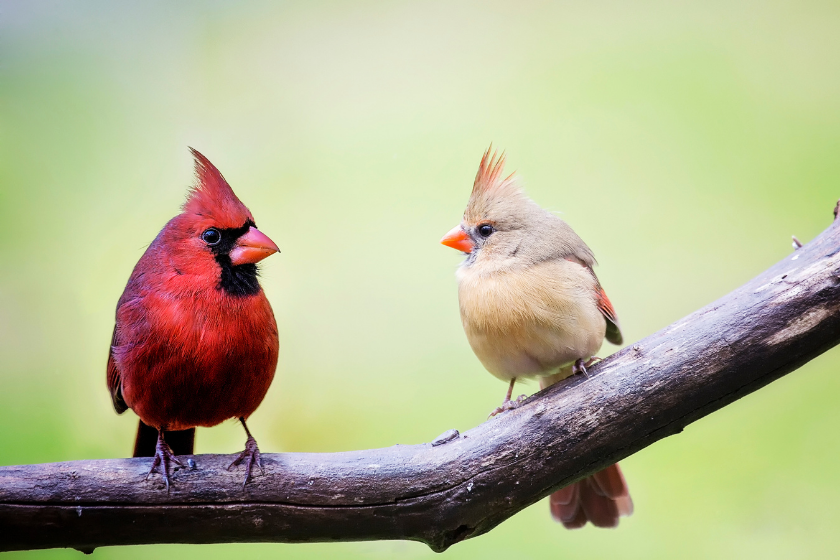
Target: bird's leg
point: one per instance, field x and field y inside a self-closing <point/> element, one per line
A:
<point x="163" y="455"/>
<point x="251" y="455"/>
<point x="508" y="404"/>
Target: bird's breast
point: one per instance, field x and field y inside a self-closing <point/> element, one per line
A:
<point x="531" y="321"/>
<point x="196" y="361"/>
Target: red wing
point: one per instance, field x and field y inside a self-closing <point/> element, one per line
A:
<point x="114" y="381"/>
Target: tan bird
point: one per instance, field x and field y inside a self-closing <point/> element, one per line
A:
<point x="532" y="307"/>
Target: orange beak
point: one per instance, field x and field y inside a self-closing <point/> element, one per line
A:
<point x="252" y="247"/>
<point x="457" y="238"/>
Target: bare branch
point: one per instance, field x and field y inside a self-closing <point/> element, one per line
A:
<point x="464" y="485"/>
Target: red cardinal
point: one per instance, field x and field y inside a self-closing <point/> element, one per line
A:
<point x="195" y="341"/>
<point x="532" y="307"/>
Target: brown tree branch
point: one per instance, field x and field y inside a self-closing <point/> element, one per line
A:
<point x="443" y="493"/>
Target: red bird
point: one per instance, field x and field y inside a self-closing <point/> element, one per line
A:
<point x="195" y="341"/>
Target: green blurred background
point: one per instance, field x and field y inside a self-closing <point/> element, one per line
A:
<point x="685" y="142"/>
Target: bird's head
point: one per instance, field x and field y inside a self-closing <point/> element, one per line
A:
<point x="502" y="227"/>
<point x="216" y="234"/>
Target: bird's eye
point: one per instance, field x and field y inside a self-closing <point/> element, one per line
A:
<point x="484" y="230"/>
<point x="211" y="236"/>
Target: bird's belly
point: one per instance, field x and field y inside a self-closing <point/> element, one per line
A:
<point x="180" y="394"/>
<point x="531" y="322"/>
<point x="200" y="377"/>
<point x="532" y="352"/>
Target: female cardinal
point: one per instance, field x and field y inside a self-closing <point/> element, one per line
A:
<point x="195" y="341"/>
<point x="532" y="307"/>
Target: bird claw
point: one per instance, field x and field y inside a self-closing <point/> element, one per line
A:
<point x="251" y="456"/>
<point x="508" y="405"/>
<point x="163" y="456"/>
<point x="579" y="367"/>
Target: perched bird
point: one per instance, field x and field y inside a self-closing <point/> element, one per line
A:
<point x="532" y="307"/>
<point x="195" y="341"/>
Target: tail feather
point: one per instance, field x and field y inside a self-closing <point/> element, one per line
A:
<point x="600" y="510"/>
<point x="565" y="505"/>
<point x="625" y="506"/>
<point x="601" y="499"/>
<point x="610" y="482"/>
<point x="576" y="521"/>
<point x="182" y="442"/>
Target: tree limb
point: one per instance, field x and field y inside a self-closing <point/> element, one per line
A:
<point x="443" y="493"/>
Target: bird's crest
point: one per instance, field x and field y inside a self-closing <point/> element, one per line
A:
<point x="212" y="197"/>
<point x="491" y="187"/>
<point x="489" y="175"/>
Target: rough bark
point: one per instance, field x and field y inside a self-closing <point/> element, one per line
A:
<point x="461" y="485"/>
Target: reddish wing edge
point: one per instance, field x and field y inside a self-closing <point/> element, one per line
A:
<point x="606" y="308"/>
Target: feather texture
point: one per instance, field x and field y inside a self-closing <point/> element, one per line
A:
<point x="212" y="196"/>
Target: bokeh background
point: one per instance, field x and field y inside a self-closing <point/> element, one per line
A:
<point x="684" y="141"/>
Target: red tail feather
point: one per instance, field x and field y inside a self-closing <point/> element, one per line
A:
<point x="600" y="499"/>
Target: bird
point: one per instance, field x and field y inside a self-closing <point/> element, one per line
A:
<point x="195" y="340"/>
<point x="532" y="307"/>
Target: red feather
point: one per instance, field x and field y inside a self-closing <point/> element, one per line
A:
<point x="213" y="197"/>
<point x="605" y="306"/>
<point x="600" y="499"/>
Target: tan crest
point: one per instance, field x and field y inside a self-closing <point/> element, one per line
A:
<point x="212" y="197"/>
<point x="492" y="188"/>
<point x="490" y="171"/>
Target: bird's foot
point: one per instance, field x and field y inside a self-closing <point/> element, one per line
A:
<point x="508" y="405"/>
<point x="251" y="456"/>
<point x="580" y="367"/>
<point x="163" y="456"/>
